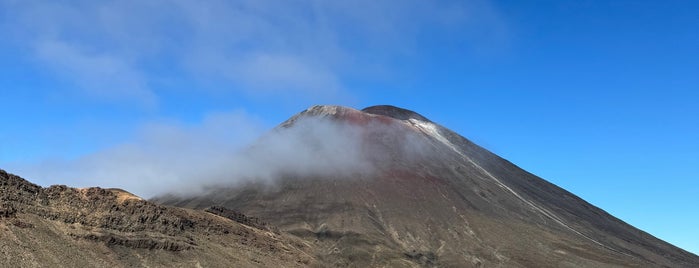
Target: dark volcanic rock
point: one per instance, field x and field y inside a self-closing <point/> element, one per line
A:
<point x="239" y="217"/>
<point x="394" y="112"/>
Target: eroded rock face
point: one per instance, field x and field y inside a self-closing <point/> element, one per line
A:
<point x="95" y="227"/>
<point x="91" y="207"/>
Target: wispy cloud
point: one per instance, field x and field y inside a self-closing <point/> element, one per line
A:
<point x="173" y="158"/>
<point x="225" y="149"/>
<point x="305" y="49"/>
<point x="163" y="156"/>
<point x="115" y="49"/>
<point x="100" y="75"/>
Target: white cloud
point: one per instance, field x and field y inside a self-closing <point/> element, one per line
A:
<point x="164" y="156"/>
<point x="99" y="74"/>
<point x="308" y="47"/>
<point x="305" y="49"/>
<point x="226" y="148"/>
<point x="276" y="73"/>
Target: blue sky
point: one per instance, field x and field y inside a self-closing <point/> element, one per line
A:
<point x="598" y="97"/>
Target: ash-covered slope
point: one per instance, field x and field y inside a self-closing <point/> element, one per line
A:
<point x="60" y="226"/>
<point x="433" y="198"/>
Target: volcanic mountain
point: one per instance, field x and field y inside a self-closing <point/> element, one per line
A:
<point x="430" y="197"/>
<point x="380" y="187"/>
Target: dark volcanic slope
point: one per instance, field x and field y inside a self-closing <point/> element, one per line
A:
<point x="93" y="227"/>
<point x="451" y="204"/>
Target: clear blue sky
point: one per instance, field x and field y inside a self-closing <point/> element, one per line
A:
<point x="598" y="97"/>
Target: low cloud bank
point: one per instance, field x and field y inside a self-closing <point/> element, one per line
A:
<point x="226" y="149"/>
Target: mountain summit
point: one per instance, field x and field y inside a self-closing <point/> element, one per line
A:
<point x="433" y="198"/>
<point x="394" y="112"/>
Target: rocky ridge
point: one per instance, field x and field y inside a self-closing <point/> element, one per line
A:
<point x="69" y="227"/>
